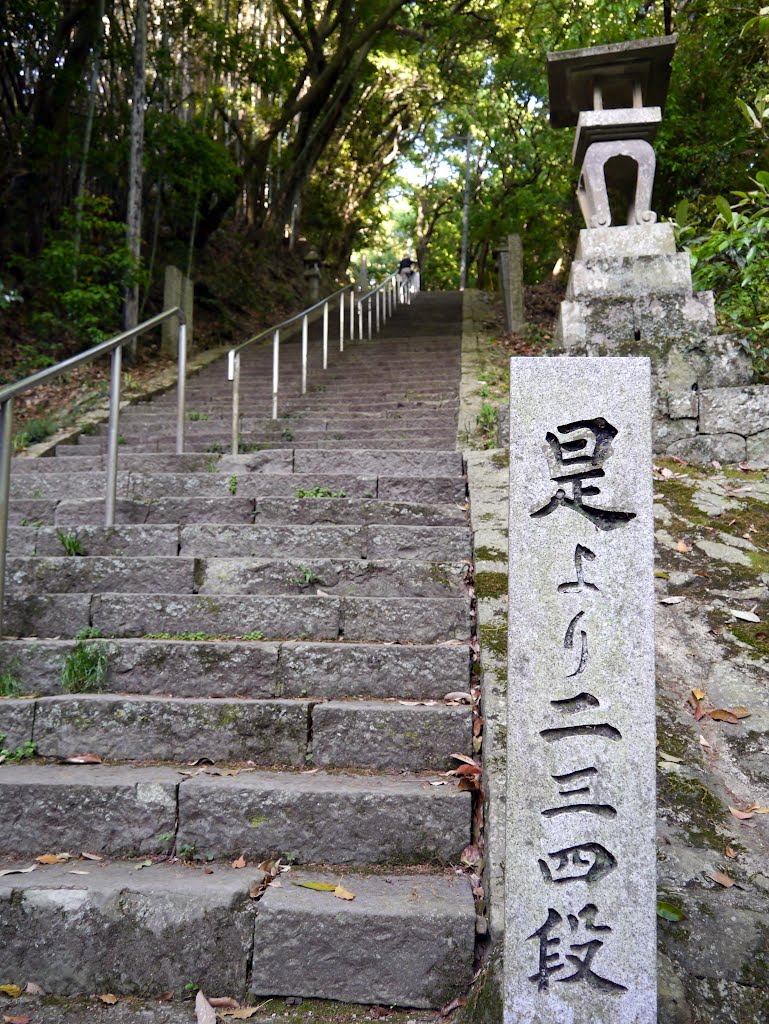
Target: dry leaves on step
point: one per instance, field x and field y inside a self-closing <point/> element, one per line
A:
<point x="143" y="864"/>
<point x="458" y="697"/>
<point x="53" y="858"/>
<point x="455" y="1004"/>
<point x="743" y="616"/>
<point x="90" y="856"/>
<point x="757" y="809"/>
<point x="108" y="998"/>
<point x="16" y="1020"/>
<point x="242" y="1013"/>
<point x="204" y="1011"/>
<point x="669" y="757"/>
<point x="343" y="894"/>
<point x="730" y="852"/>
<point x="730" y="715"/>
<point x="672" y="600"/>
<point x="17" y="871"/>
<point x="740" y="815"/>
<point x="722" y="879"/>
<point x="14" y="991"/>
<point x="240" y="862"/>
<point x="683" y="547"/>
<point x="224" y="1003"/>
<point x="318" y="886"/>
<point x="471" y="856"/>
<point x="83" y="759"/>
<point x="414" y="703"/>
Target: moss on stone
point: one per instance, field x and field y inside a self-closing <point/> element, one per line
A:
<point x="495" y="638"/>
<point x="490" y="584"/>
<point x="486" y="554"/>
<point x="501" y="459"/>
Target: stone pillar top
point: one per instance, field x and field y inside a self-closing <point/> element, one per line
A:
<point x="614" y="76"/>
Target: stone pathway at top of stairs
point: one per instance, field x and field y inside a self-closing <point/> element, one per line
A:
<point x="294" y="616"/>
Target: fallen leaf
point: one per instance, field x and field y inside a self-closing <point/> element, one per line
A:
<point x="225" y="1002"/>
<point x="723" y="715"/>
<point x="660" y="575"/>
<point x="462" y="757"/>
<point x="16" y="1020"/>
<point x="730" y="853"/>
<point x="669" y="912"/>
<point x="467" y="769"/>
<point x="90" y="856"/>
<point x="438" y="782"/>
<point x="743" y="616"/>
<point x="459" y="695"/>
<point x="672" y="600"/>
<point x="204" y="1011"/>
<point x="319" y="886"/>
<point x="144" y="864"/>
<point x="52" y="858"/>
<point x="208" y="871"/>
<point x="33" y="989"/>
<point x="669" y="757"/>
<point x="242" y="1014"/>
<point x="757" y="809"/>
<point x="415" y="703"/>
<point x="698" y="694"/>
<point x="704" y="743"/>
<point x="683" y="547"/>
<point x="740" y="815"/>
<point x="453" y="1005"/>
<point x="18" y="871"/>
<point x="200" y="760"/>
<point x="739" y="711"/>
<point x="14" y="991"/>
<point x="721" y="878"/>
<point x="240" y="862"/>
<point x="74" y="872"/>
<point x="108" y="998"/>
<point x="699" y="711"/>
<point x="471" y="856"/>
<point x="83" y="759"/>
<point x="343" y="894"/>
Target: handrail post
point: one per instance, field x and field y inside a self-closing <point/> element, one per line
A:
<point x="235" y="371"/>
<point x="341" y="322"/>
<point x="275" y="372"/>
<point x="352" y="313"/>
<point x="378" y="304"/>
<point x="369" y="318"/>
<point x="304" y="354"/>
<point x="181" y="386"/>
<point x="110" y="500"/>
<point x="325" y="335"/>
<point x="360" y="319"/>
<point x="6" y="442"/>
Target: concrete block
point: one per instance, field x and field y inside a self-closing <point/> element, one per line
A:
<point x="367" y="734"/>
<point x="404" y="941"/>
<point x="321" y="818"/>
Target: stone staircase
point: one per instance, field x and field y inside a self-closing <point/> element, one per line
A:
<point x="255" y="657"/>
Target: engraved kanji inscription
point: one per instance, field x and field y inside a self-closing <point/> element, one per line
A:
<point x="588" y="862"/>
<point x="581" y="554"/>
<point x="576" y="787"/>
<point x="577" y="933"/>
<point x="577" y="459"/>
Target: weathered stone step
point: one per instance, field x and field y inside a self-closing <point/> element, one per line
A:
<point x="256" y="443"/>
<point x="187" y="668"/>
<point x="411" y="619"/>
<point x="65" y="575"/>
<point x="124" y="811"/>
<point x="126" y="540"/>
<point x="385" y="735"/>
<point x="405" y="940"/>
<point x="235" y="508"/>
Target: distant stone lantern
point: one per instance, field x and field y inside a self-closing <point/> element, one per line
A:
<point x="312" y="274"/>
<point x="615" y="95"/>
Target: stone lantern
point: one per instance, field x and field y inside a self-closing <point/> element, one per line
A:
<point x="311" y="261"/>
<point x="614" y="95"/>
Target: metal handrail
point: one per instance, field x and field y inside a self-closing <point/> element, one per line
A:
<point x="388" y="294"/>
<point x="113" y="346"/>
<point x="233" y="356"/>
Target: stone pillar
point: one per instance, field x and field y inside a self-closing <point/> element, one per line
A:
<point x="312" y="275"/>
<point x="580" y="868"/>
<point x="515" y="283"/>
<point x="363" y="276"/>
<point x="178" y="290"/>
<point x="503" y="274"/>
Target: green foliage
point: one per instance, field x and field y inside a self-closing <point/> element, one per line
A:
<point x="318" y="492"/>
<point x="232" y="485"/>
<point x="33" y="432"/>
<point x="486" y="421"/>
<point x="27" y="749"/>
<point x="9" y="681"/>
<point x="7" y="297"/>
<point x="304" y="578"/>
<point x="731" y="257"/>
<point x="80" y="288"/>
<point x="195" y="417"/>
<point x="85" y="668"/>
<point x="71" y="543"/>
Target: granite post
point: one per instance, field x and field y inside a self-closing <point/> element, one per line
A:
<point x="177" y="291"/>
<point x="580" y="863"/>
<point x="515" y="284"/>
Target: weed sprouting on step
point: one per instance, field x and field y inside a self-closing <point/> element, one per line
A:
<point x="486" y="420"/>
<point x="71" y="543"/>
<point x="255" y="635"/>
<point x="10" y="686"/>
<point x="197" y="417"/>
<point x="27" y="749"/>
<point x="318" y="492"/>
<point x="121" y="439"/>
<point x="232" y="485"/>
<point x="34" y="432"/>
<point x="204" y="637"/>
<point x="287" y="435"/>
<point x="216" y="448"/>
<point x="85" y="667"/>
<point x="304" y="578"/>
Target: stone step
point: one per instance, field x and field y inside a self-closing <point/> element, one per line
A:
<point x="404" y="940"/>
<point x="383" y="735"/>
<point x="240" y="509"/>
<point x="340" y="818"/>
<point x="407" y="940"/>
<point x="99" y="574"/>
<point x="204" y="540"/>
<point x="254" y="443"/>
<point x="392" y="620"/>
<point x="189" y="668"/>
<point x="47" y="487"/>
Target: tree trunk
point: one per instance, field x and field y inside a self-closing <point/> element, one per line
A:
<point x="134" y="211"/>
